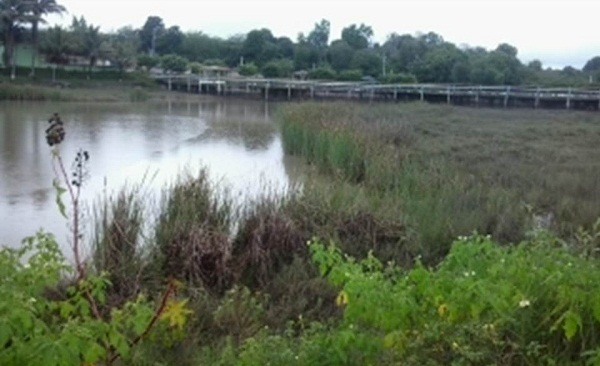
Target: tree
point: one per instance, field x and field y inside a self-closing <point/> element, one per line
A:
<point x="404" y="52"/>
<point x="259" y="46"/>
<point x="12" y="14"/>
<point x="278" y="69"/>
<point x="39" y="9"/>
<point x="366" y="61"/>
<point x="340" y="54"/>
<point x="318" y="38"/>
<point x="87" y="40"/>
<point x="149" y="33"/>
<point x="358" y="37"/>
<point x="55" y="43"/>
<point x="122" y="48"/>
<point x="592" y="65"/>
<point x="174" y="63"/>
<point x="305" y="56"/>
<point x="170" y="41"/>
<point x="147" y="61"/>
<point x="535" y="65"/>
<point x="438" y="64"/>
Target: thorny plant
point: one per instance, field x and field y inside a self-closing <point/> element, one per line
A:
<point x="169" y="309"/>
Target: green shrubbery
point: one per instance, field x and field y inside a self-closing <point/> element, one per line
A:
<point x="50" y="317"/>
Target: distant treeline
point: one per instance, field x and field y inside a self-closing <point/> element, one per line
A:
<point x="423" y="58"/>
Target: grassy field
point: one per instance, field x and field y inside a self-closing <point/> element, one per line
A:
<point x="371" y="260"/>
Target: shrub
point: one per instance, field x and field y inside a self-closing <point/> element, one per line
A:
<point x="248" y="69"/>
<point x="174" y="63"/>
<point x="148" y="61"/>
<point x="484" y="304"/>
<point x="278" y="69"/>
<point x="350" y="75"/>
<point x="400" y="78"/>
<point x="322" y="73"/>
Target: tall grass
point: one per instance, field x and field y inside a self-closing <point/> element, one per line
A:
<point x="454" y="171"/>
<point x="29" y="93"/>
<point x="117" y="247"/>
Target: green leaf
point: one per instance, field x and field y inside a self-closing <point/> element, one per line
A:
<point x="596" y="307"/>
<point x="93" y="353"/>
<point x="59" y="192"/>
<point x="5" y="334"/>
<point x="572" y="324"/>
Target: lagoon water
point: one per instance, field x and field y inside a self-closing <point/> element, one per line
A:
<point x="133" y="144"/>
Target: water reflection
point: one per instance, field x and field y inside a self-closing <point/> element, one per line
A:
<point x="235" y="139"/>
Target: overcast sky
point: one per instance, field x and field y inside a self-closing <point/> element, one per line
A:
<point x="558" y="32"/>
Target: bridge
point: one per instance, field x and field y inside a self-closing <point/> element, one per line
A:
<point x="287" y="89"/>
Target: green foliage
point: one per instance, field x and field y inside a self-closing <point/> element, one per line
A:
<point x="350" y="75"/>
<point x="357" y="37"/>
<point x="483" y="304"/>
<point x="322" y="73"/>
<point x="278" y="69"/>
<point x="400" y="78"/>
<point x="29" y="92"/>
<point x="248" y="69"/>
<point x="195" y="67"/>
<point x="174" y="63"/>
<point x="147" y="61"/>
<point x="47" y="320"/>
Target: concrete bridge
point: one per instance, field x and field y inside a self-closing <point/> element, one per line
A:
<point x="287" y="89"/>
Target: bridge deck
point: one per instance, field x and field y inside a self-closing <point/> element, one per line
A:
<point x="470" y="95"/>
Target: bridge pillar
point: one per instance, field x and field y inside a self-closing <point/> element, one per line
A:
<point x="199" y="86"/>
<point x="506" y="96"/>
<point x="312" y="92"/>
<point x="170" y="84"/>
<point x="568" y="102"/>
<point x="477" y="96"/>
<point x="267" y="91"/>
<point x="448" y="94"/>
<point x="189" y="84"/>
<point x="395" y="94"/>
<point x="422" y="94"/>
<point x="536" y="104"/>
<point x="289" y="92"/>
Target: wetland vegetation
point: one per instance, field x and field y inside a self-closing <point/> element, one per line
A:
<point x="419" y="234"/>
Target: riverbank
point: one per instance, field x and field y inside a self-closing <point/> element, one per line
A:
<point x="82" y="87"/>
<point x="372" y="260"/>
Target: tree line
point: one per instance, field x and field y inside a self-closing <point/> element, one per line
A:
<point x="423" y="57"/>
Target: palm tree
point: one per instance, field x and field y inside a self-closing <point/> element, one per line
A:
<point x="38" y="9"/>
<point x="12" y="13"/>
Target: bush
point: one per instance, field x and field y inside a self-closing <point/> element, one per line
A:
<point x="174" y="63"/>
<point x="322" y="73"/>
<point x="400" y="78"/>
<point x="485" y="304"/>
<point x="49" y="319"/>
<point x="195" y="67"/>
<point x="350" y="75"/>
<point x="147" y="61"/>
<point x="248" y="69"/>
<point x="278" y="69"/>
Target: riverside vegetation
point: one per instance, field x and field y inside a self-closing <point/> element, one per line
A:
<point x="371" y="261"/>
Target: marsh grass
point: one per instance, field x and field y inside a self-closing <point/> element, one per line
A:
<point x="192" y="233"/>
<point x="456" y="170"/>
<point x="29" y="93"/>
<point x="117" y="247"/>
